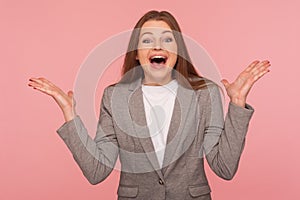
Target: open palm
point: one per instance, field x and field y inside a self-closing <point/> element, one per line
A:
<point x="65" y="101"/>
<point x="239" y="89"/>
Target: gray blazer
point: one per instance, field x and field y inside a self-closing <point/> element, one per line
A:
<point x="197" y="129"/>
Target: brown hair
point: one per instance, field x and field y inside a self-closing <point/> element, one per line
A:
<point x="183" y="64"/>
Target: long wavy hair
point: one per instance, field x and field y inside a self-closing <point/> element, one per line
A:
<point x="183" y="64"/>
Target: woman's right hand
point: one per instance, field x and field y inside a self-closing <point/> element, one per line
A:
<point x="66" y="102"/>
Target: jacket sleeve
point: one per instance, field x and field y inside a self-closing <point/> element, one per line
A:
<point x="224" y="140"/>
<point x="95" y="157"/>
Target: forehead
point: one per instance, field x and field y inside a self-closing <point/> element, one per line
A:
<point x="154" y="26"/>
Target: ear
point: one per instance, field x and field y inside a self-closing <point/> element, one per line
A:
<point x="137" y="57"/>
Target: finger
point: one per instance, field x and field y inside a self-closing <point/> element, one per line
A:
<point x="225" y="83"/>
<point x="259" y="67"/>
<point x="37" y="80"/>
<point x="252" y="65"/>
<point x="41" y="80"/>
<point x="264" y="67"/>
<point x="256" y="64"/>
<point x="33" y="79"/>
<point x="39" y="88"/>
<point x="34" y="84"/>
<point x="46" y="81"/>
<point x="262" y="64"/>
<point x="261" y="74"/>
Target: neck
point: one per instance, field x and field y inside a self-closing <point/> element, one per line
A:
<point x="149" y="82"/>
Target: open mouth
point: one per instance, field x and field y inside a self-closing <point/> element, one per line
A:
<point x="158" y="59"/>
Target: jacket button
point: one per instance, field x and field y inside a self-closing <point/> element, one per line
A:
<point x="160" y="182"/>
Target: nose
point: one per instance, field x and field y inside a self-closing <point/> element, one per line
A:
<point x="157" y="45"/>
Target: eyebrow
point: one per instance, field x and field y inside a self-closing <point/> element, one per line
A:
<point x="167" y="31"/>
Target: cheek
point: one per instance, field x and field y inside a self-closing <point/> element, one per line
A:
<point x="171" y="48"/>
<point x="172" y="59"/>
<point x="142" y="54"/>
<point x="174" y="53"/>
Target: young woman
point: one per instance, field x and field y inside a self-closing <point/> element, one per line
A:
<point x="160" y="118"/>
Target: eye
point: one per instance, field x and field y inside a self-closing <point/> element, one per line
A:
<point x="146" y="41"/>
<point x="168" y="39"/>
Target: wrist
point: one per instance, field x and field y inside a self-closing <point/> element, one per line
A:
<point x="69" y="114"/>
<point x="239" y="101"/>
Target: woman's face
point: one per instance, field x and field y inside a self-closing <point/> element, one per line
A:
<point x="157" y="52"/>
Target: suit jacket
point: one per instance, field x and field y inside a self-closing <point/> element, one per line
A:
<point x="197" y="129"/>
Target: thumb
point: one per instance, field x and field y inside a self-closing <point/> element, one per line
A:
<point x="225" y="83"/>
<point x="70" y="93"/>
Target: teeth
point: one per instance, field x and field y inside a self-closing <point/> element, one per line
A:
<point x="158" y="57"/>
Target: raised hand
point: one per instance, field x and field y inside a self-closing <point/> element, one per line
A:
<point x="65" y="101"/>
<point x="239" y="89"/>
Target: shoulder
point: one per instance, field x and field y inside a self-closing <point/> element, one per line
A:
<point x="209" y="97"/>
<point x="116" y="91"/>
<point x="108" y="93"/>
<point x="205" y="87"/>
<point x="109" y="89"/>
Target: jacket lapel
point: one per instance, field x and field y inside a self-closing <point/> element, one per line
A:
<point x="138" y="116"/>
<point x="179" y="135"/>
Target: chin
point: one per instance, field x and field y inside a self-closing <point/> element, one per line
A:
<point x="158" y="76"/>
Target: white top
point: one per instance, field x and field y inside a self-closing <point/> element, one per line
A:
<point x="159" y="104"/>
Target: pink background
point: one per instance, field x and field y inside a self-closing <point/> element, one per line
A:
<point x="52" y="38"/>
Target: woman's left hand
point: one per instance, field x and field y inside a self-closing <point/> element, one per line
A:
<point x="239" y="89"/>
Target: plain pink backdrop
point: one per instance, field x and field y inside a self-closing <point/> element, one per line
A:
<point x="52" y="38"/>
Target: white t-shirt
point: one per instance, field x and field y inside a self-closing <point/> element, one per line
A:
<point x="159" y="104"/>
